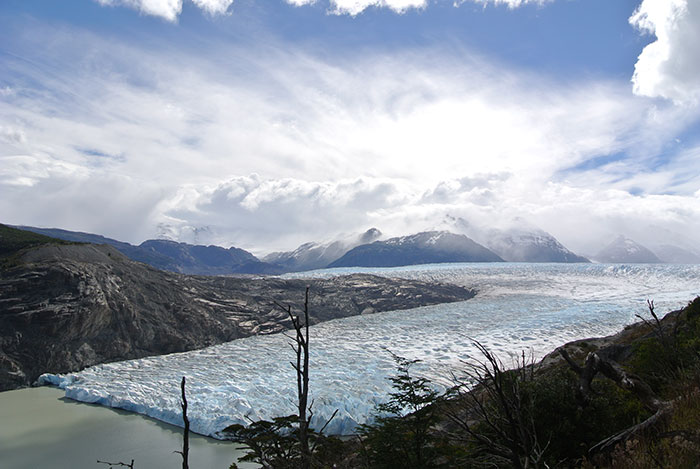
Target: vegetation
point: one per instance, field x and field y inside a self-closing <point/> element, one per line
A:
<point x="13" y="240"/>
<point x="401" y="435"/>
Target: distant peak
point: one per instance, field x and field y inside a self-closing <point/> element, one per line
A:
<point x="370" y="235"/>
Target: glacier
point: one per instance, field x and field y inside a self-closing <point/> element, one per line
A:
<point x="519" y="307"/>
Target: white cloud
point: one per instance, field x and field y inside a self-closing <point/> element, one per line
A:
<point x="41" y="190"/>
<point x="508" y="3"/>
<point x="669" y="67"/>
<point x="355" y="7"/>
<point x="12" y="135"/>
<point x="214" y="7"/>
<point x="261" y="213"/>
<point x="171" y="9"/>
<point x="168" y="9"/>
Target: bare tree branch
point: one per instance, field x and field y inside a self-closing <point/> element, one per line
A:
<point x="185" y="453"/>
<point x="117" y="464"/>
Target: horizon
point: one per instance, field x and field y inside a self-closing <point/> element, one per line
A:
<point x="267" y="125"/>
<point x="354" y="240"/>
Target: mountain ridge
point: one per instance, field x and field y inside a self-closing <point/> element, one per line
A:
<point x="421" y="248"/>
<point x="173" y="256"/>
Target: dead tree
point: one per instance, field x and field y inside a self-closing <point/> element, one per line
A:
<point x="277" y="443"/>
<point x="301" y="350"/>
<point x="186" y="431"/>
<point x="493" y="409"/>
<point x="117" y="464"/>
<point x="595" y="364"/>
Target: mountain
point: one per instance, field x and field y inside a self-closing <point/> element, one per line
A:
<point x="529" y="246"/>
<point x="676" y="255"/>
<point x="422" y="248"/>
<point x="205" y="260"/>
<point x="310" y="256"/>
<point x="172" y="256"/>
<point x="64" y="307"/>
<point x="626" y="251"/>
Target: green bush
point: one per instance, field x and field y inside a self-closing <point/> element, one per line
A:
<point x="401" y="435"/>
<point x="570" y="428"/>
<point x="669" y="357"/>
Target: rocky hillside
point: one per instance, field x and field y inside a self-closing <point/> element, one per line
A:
<point x="422" y="248"/>
<point x="65" y="307"/>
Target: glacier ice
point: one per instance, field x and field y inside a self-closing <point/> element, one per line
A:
<point x="532" y="307"/>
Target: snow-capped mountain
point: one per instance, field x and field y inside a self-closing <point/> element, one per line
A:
<point x="676" y="255"/>
<point x="422" y="248"/>
<point x="627" y="251"/>
<point x="529" y="246"/>
<point x="310" y="256"/>
<point x="516" y="240"/>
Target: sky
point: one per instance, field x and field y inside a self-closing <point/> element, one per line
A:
<point x="264" y="124"/>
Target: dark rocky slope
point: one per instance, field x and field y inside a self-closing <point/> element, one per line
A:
<point x="65" y="307"/>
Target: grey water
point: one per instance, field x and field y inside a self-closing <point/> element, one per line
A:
<point x="41" y="428"/>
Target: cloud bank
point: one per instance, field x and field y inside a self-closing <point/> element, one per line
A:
<point x="669" y="67"/>
<point x="171" y="9"/>
<point x="265" y="215"/>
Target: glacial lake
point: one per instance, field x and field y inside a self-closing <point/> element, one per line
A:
<point x="40" y="428"/>
<point x="519" y="307"/>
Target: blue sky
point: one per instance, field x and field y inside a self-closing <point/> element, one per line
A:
<point x="265" y="124"/>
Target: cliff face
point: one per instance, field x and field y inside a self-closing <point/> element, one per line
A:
<point x="65" y="307"/>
